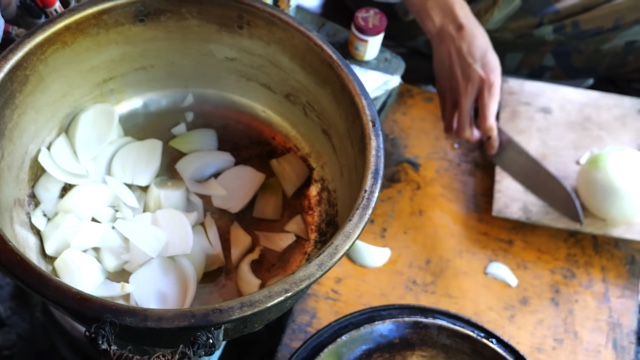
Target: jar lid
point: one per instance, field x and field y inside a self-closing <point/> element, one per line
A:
<point x="370" y="21"/>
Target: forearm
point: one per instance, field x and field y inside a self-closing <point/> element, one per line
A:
<point x="435" y="16"/>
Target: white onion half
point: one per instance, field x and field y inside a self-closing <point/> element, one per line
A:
<point x="608" y="184"/>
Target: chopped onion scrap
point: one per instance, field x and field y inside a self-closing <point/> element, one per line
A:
<point x="68" y="263"/>
<point x="367" y="255"/>
<point x="47" y="191"/>
<point x="214" y="239"/>
<point x="241" y="183"/>
<point x="297" y="226"/>
<point x="179" y="129"/>
<point x="63" y="154"/>
<point x="500" y="271"/>
<point x="137" y="163"/>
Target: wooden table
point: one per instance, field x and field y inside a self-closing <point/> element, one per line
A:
<point x="578" y="294"/>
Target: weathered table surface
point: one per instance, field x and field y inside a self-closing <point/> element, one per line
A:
<point x="578" y="294"/>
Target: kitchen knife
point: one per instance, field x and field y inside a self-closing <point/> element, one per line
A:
<point x="529" y="172"/>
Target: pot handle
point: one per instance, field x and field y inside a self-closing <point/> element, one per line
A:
<point x="101" y="336"/>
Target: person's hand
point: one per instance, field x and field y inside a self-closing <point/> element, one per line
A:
<point x="467" y="69"/>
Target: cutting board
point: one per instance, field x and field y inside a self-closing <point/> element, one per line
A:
<point x="558" y="124"/>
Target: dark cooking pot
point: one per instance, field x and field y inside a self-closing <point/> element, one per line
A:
<point x="113" y="51"/>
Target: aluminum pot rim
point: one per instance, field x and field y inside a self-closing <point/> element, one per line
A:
<point x="73" y="301"/>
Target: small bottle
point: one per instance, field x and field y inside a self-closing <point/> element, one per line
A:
<point x="50" y="7"/>
<point x="367" y="32"/>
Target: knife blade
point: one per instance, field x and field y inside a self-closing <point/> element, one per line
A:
<point x="533" y="175"/>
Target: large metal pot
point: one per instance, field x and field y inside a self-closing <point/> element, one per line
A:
<point x="117" y="50"/>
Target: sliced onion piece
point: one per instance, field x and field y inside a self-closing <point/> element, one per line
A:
<point x="39" y="218"/>
<point x="241" y="183"/>
<point x="158" y="284"/>
<point x="189" y="278"/>
<point x="367" y="255"/>
<point x="62" y="153"/>
<point x="201" y="165"/>
<point x="195" y="204"/>
<point x="58" y="233"/>
<point x="297" y="226"/>
<point x="199" y="252"/>
<point x="188" y="116"/>
<point x="106" y="215"/>
<point x="247" y="281"/>
<point x="240" y="242"/>
<point x="209" y="187"/>
<point x="141" y="196"/>
<point x="291" y="171"/>
<point x="86" y="199"/>
<point x="178" y="231"/>
<point x="268" y="204"/>
<point x="135" y="258"/>
<point x="165" y="193"/>
<point x="179" y="129"/>
<point x="108" y="289"/>
<point x="203" y="139"/>
<point x="147" y="237"/>
<point x="188" y="100"/>
<point x="92" y="253"/>
<point x="114" y="258"/>
<point x="217" y="260"/>
<point x="92" y="129"/>
<point x="137" y="163"/>
<point x="192" y="217"/>
<point x="91" y="234"/>
<point x="46" y="160"/>
<point x="99" y="167"/>
<point x="500" y="271"/>
<point x="122" y="191"/>
<point x="275" y="241"/>
<point x="79" y="270"/>
<point x="47" y="190"/>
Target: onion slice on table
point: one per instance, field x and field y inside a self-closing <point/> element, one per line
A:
<point x="247" y="281"/>
<point x="291" y="171"/>
<point x="367" y="255"/>
<point x="502" y="272"/>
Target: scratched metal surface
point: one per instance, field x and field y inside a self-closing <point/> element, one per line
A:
<point x="578" y="294"/>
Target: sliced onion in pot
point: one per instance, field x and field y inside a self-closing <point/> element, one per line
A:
<point x="113" y="258"/>
<point x="247" y="281"/>
<point x="195" y="204"/>
<point x="240" y="242"/>
<point x="147" y="237"/>
<point x="99" y="167"/>
<point x="275" y="241"/>
<point x="199" y="251"/>
<point x="201" y="165"/>
<point x="79" y="270"/>
<point x="189" y="278"/>
<point x="165" y="193"/>
<point x="106" y="215"/>
<point x="158" y="284"/>
<point x="47" y="190"/>
<point x="178" y="231"/>
<point x="214" y="239"/>
<point x="297" y="226"/>
<point x="39" y="218"/>
<point x="92" y="129"/>
<point x="58" y="233"/>
<point x="46" y="160"/>
<point x="63" y="154"/>
<point x="122" y="191"/>
<point x="195" y="140"/>
<point x="137" y="163"/>
<point x="86" y="199"/>
<point x="268" y="204"/>
<point x="241" y="183"/>
<point x="91" y="234"/>
<point x="210" y="187"/>
<point x="109" y="288"/>
<point x="291" y="171"/>
<point x="179" y="129"/>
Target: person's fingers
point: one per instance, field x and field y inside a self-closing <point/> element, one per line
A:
<point x="447" y="109"/>
<point x="466" y="124"/>
<point x="488" y="102"/>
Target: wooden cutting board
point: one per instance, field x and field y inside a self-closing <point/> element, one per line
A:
<point x="557" y="125"/>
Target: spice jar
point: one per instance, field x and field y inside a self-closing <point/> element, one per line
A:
<point x="367" y="32"/>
